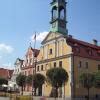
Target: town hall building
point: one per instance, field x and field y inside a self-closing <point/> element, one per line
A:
<point x="62" y="50"/>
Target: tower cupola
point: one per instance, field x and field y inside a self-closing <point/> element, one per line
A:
<point x="58" y="18"/>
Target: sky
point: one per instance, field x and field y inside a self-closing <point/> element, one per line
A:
<point x="20" y="19"/>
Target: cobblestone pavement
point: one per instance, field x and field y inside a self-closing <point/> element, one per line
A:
<point x="4" y="98"/>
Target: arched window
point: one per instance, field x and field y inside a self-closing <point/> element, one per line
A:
<point x="54" y="13"/>
<point x="61" y="13"/>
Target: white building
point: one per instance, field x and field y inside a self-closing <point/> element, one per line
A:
<point x="17" y="70"/>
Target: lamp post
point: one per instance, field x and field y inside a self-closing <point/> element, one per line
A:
<point x="34" y="65"/>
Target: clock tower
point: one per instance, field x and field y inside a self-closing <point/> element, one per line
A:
<point x="58" y="18"/>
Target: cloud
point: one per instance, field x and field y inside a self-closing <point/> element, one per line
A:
<point x="6" y="48"/>
<point x="40" y="36"/>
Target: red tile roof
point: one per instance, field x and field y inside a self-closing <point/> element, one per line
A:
<point x="6" y="73"/>
<point x="36" y="51"/>
<point x="31" y="51"/>
<point x="83" y="43"/>
<point x="84" y="49"/>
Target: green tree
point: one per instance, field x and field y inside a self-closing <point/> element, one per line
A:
<point x="97" y="79"/>
<point x="56" y="77"/>
<point x="3" y="81"/>
<point x="38" y="81"/>
<point x="21" y="81"/>
<point x="86" y="80"/>
<point x="29" y="79"/>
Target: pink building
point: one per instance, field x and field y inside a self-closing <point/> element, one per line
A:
<point x="28" y="67"/>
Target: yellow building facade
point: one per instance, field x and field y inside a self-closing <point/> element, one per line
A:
<point x="54" y="53"/>
<point x="61" y="50"/>
<point x="57" y="52"/>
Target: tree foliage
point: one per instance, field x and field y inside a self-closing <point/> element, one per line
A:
<point x="87" y="81"/>
<point x="21" y="81"/>
<point x="56" y="77"/>
<point x="38" y="80"/>
<point x="97" y="79"/>
<point x="29" y="79"/>
<point x="3" y="81"/>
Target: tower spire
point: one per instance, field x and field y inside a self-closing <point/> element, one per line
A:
<point x="58" y="18"/>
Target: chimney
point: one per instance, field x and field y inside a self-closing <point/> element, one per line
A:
<point x="95" y="42"/>
<point x="70" y="36"/>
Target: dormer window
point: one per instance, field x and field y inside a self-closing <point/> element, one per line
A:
<point x="90" y="52"/>
<point x="98" y="52"/>
<point x="77" y="49"/>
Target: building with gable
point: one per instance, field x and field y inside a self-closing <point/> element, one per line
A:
<point x="6" y="73"/>
<point x="17" y="70"/>
<point x="28" y="67"/>
<point x="61" y="50"/>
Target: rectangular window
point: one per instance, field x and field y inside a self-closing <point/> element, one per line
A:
<point x="27" y="60"/>
<point x="60" y="63"/>
<point x="86" y="65"/>
<point x="41" y="67"/>
<point x="37" y="68"/>
<point x="50" y="52"/>
<point x="22" y="73"/>
<point x="80" y="64"/>
<point x="26" y="73"/>
<point x="29" y="72"/>
<point x="98" y="67"/>
<point x="54" y="64"/>
<point x="31" y="62"/>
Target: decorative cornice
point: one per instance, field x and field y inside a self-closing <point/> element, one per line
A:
<point x="97" y="59"/>
<point x="53" y="59"/>
<point x="27" y="67"/>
